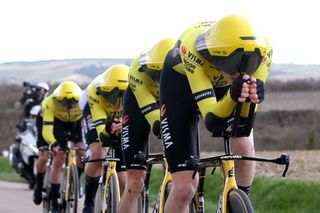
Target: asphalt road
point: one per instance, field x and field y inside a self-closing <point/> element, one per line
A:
<point x="17" y="198"/>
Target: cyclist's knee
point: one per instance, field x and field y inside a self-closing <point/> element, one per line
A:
<point x="184" y="186"/>
<point x="135" y="182"/>
<point x="97" y="151"/>
<point x="243" y="146"/>
<point x="184" y="191"/>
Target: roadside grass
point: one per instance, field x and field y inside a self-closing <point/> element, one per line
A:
<point x="8" y="173"/>
<point x="268" y="195"/>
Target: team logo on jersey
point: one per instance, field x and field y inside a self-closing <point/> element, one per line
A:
<point x="125" y="137"/>
<point x="166" y="135"/>
<point x="184" y="50"/>
<point x="194" y="58"/>
<point x="135" y="80"/>
<point x="163" y="110"/>
<point x="125" y="119"/>
<point x="89" y="117"/>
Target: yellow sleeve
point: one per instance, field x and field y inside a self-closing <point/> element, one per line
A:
<point x="97" y="110"/>
<point x="141" y="85"/>
<point x="48" y="121"/>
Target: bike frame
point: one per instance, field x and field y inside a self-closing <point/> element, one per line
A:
<point x="226" y="163"/>
<point x="151" y="159"/>
<point x="109" y="164"/>
<point x="166" y="180"/>
<point x="110" y="171"/>
<point x="69" y="161"/>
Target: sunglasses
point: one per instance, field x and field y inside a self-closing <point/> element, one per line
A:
<point x="115" y="96"/>
<point x="68" y="102"/>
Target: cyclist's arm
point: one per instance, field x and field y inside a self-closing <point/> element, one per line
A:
<point x="48" y="123"/>
<point x="98" y="113"/>
<point x="204" y="95"/>
<point x="140" y="84"/>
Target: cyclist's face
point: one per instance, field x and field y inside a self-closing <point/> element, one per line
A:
<point x="117" y="107"/>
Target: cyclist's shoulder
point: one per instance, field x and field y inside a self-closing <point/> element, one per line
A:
<point x="47" y="102"/>
<point x="93" y="97"/>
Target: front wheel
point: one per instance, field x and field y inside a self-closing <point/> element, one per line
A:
<point x="70" y="192"/>
<point x="111" y="202"/>
<point x="239" y="202"/>
<point x="46" y="198"/>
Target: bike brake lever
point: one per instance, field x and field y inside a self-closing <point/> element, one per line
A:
<point x="286" y="159"/>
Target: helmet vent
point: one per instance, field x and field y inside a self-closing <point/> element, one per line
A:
<point x="248" y="37"/>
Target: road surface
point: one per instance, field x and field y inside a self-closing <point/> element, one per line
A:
<point x="17" y="198"/>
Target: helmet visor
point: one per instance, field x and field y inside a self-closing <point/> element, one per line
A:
<point x="68" y="102"/>
<point x="114" y="97"/>
<point x="239" y="61"/>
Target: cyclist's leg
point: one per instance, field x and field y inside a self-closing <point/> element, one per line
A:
<point x="56" y="177"/>
<point x="121" y="170"/>
<point x="93" y="170"/>
<point x="179" y="131"/>
<point x="40" y="163"/>
<point x="244" y="170"/>
<point x="59" y="131"/>
<point x="135" y="134"/>
<point x="76" y="137"/>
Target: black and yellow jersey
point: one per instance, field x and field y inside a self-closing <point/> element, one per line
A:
<point x="50" y="110"/>
<point x="145" y="90"/>
<point x="100" y="108"/>
<point x="203" y="77"/>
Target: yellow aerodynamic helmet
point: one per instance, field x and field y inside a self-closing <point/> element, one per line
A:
<point x="152" y="60"/>
<point x="232" y="45"/>
<point x="67" y="93"/>
<point x="112" y="83"/>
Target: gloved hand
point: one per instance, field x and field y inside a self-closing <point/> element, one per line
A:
<point x="108" y="125"/>
<point x="156" y="129"/>
<point x="260" y="90"/>
<point x="239" y="89"/>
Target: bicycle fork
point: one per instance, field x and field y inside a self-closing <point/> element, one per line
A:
<point x="166" y="180"/>
<point x="111" y="170"/>
<point x="72" y="162"/>
<point x="229" y="183"/>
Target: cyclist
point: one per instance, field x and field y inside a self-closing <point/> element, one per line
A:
<point x="102" y="121"/>
<point x="60" y="115"/>
<point x="32" y="96"/>
<point x="141" y="113"/>
<point x="208" y="71"/>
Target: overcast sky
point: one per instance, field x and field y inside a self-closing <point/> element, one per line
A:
<point x="32" y="30"/>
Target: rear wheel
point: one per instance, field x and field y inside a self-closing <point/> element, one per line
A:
<point x="238" y="202"/>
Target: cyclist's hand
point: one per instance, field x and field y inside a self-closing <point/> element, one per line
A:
<point x="240" y="88"/>
<point x="113" y="125"/>
<point x="116" y="125"/>
<point x="256" y="90"/>
<point x="156" y="129"/>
